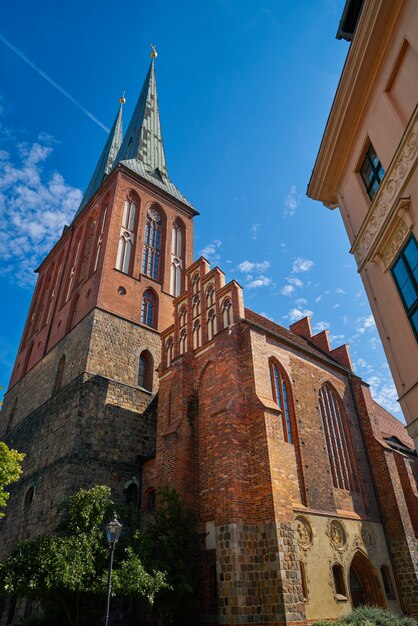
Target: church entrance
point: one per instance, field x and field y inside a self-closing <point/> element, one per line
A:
<point x="364" y="584"/>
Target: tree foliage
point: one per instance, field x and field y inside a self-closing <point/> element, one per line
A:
<point x="370" y="616"/>
<point x="172" y="543"/>
<point x="73" y="561"/>
<point x="10" y="470"/>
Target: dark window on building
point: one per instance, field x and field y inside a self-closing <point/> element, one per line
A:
<point x="151" y="500"/>
<point x="282" y="397"/>
<point x="148" y="310"/>
<point x="387" y="582"/>
<point x="132" y="494"/>
<point x="405" y="274"/>
<point x="339" y="583"/>
<point x="145" y="370"/>
<point x="335" y="430"/>
<point x="152" y="245"/>
<point x="371" y="172"/>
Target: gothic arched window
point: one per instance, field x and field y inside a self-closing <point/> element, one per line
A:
<point x="210" y="296"/>
<point x="196" y="335"/>
<point x="182" y="316"/>
<point x="226" y="313"/>
<point x="152" y="245"/>
<point x="73" y="312"/>
<point x="145" y="370"/>
<point x="177" y="254"/>
<point x="211" y="324"/>
<point x="339" y="582"/>
<point x="333" y="422"/>
<point x="127" y="237"/>
<point x="74" y="265"/>
<point x="182" y="341"/>
<point x="99" y="241"/>
<point x="148" y="310"/>
<point x="132" y="494"/>
<point x="169" y="351"/>
<point x="196" y="306"/>
<point x="195" y="284"/>
<point x="281" y="394"/>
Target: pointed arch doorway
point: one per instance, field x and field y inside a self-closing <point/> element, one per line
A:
<point x="365" y="587"/>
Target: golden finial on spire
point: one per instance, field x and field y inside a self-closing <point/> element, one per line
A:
<point x="122" y="99"/>
<point x="154" y="52"/>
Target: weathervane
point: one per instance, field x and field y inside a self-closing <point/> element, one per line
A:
<point x="154" y="52"/>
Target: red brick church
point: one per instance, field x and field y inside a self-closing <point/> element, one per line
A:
<point x="139" y="367"/>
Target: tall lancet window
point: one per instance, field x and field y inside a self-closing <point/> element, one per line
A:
<point x="127" y="237"/>
<point x="152" y="245"/>
<point x="281" y="393"/>
<point x="196" y="335"/>
<point x="211" y="324"/>
<point x="227" y="312"/>
<point x="148" y="310"/>
<point x="177" y="264"/>
<point x="335" y="431"/>
<point x="99" y="241"/>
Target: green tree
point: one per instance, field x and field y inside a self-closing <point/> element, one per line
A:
<point x="172" y="543"/>
<point x="71" y="564"/>
<point x="10" y="470"/>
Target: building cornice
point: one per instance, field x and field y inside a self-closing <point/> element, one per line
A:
<point x="373" y="36"/>
<point x="388" y="220"/>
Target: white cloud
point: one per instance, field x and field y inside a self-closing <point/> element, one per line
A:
<point x="210" y="251"/>
<point x="318" y="298"/>
<point x="34" y="207"/>
<point x="320" y="326"/>
<point x="384" y="392"/>
<point x="254" y="230"/>
<point x="335" y="306"/>
<point x="366" y="323"/>
<point x="296" y="314"/>
<point x="291" y="201"/>
<point x="249" y="266"/>
<point x="337" y="337"/>
<point x="262" y="281"/>
<point x="301" y="265"/>
<point x="301" y="302"/>
<point x="287" y="290"/>
<point x="295" y="281"/>
<point x="341" y="291"/>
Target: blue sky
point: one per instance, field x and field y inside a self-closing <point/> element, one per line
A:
<point x="245" y="88"/>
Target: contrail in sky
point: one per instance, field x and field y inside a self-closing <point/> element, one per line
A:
<point x="52" y="82"/>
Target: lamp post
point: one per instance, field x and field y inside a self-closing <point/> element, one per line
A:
<point x="113" y="529"/>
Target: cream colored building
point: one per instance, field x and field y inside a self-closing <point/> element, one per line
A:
<point x="367" y="167"/>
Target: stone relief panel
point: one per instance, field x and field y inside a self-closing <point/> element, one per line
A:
<point x="387" y="195"/>
<point x="367" y="537"/>
<point x="337" y="534"/>
<point x="395" y="235"/>
<point x="304" y="534"/>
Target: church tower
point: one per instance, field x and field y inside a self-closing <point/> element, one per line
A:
<point x="81" y="398"/>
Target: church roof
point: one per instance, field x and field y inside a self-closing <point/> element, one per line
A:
<point x="106" y="160"/>
<point x="143" y="141"/>
<point x="142" y="149"/>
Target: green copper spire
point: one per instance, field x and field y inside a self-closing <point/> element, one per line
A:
<point x="143" y="141"/>
<point x="107" y="158"/>
<point x="142" y="149"/>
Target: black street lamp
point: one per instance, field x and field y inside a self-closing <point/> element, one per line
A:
<point x="113" y="529"/>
